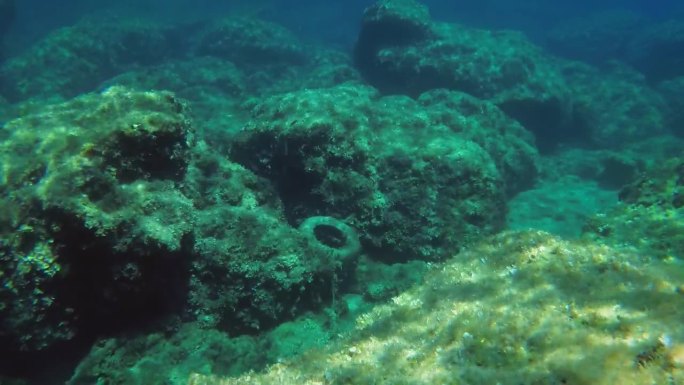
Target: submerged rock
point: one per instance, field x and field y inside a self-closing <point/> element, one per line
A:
<point x="501" y="67"/>
<point x="418" y="179"/>
<point x="520" y="307"/>
<point x="543" y="93"/>
<point x="485" y="64"/>
<point x="615" y="106"/>
<point x="92" y="226"/>
<point x="653" y="48"/>
<point x="250" y="43"/>
<point x="650" y="216"/>
<point x="76" y="59"/>
<point x="153" y="359"/>
<point x="251" y="270"/>
<point x="116" y="217"/>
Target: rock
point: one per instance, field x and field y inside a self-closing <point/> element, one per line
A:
<point x="391" y="164"/>
<point x="501" y="67"/>
<point x="91" y="208"/>
<point x="76" y="59"/>
<point x="116" y="217"/>
<point x="251" y="43"/>
<point x="649" y="218"/>
<point x="613" y="107"/>
<point x="523" y="306"/>
<point x="250" y="270"/>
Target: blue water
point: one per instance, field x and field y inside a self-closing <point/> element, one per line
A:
<point x="335" y="20"/>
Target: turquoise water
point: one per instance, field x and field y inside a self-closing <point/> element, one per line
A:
<point x="275" y="192"/>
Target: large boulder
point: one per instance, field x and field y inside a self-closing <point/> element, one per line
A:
<point x="401" y="50"/>
<point x="417" y="179"/>
<point x="558" y="101"/>
<point x="251" y="270"/>
<point x="214" y="88"/>
<point x="273" y="58"/>
<point x="654" y="48"/>
<point x="614" y="106"/>
<point x="519" y="308"/>
<point x="116" y="217"/>
<point x="93" y="229"/>
<point x="251" y="42"/>
<point x="649" y="217"/>
<point x="76" y="59"/>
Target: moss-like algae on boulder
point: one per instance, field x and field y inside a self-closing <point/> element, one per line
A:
<point x="518" y="308"/>
<point x="89" y="204"/>
<point x="402" y="170"/>
<point x="650" y="216"/>
<point x="76" y="59"/>
<point x="400" y="49"/>
<point x="110" y="194"/>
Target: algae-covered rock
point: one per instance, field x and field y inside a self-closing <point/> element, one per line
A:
<point x="250" y="269"/>
<point x="614" y="106"/>
<point x="186" y="77"/>
<point x="650" y="217"/>
<point x="654" y="48"/>
<point x="558" y="101"/>
<point x="76" y="59"/>
<point x="89" y="206"/>
<point x="212" y="86"/>
<point x="509" y="144"/>
<point x="328" y="68"/>
<point x="661" y="186"/>
<point x="390" y="22"/>
<point x="215" y="87"/>
<point x="272" y="58"/>
<point x="251" y="43"/>
<point x="253" y="271"/>
<point x="520" y="308"/>
<point x="167" y="358"/>
<point x="503" y="67"/>
<point x="415" y="178"/>
<point x="117" y="199"/>
<point x="431" y="55"/>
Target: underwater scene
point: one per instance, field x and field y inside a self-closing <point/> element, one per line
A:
<point x="319" y="192"/>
